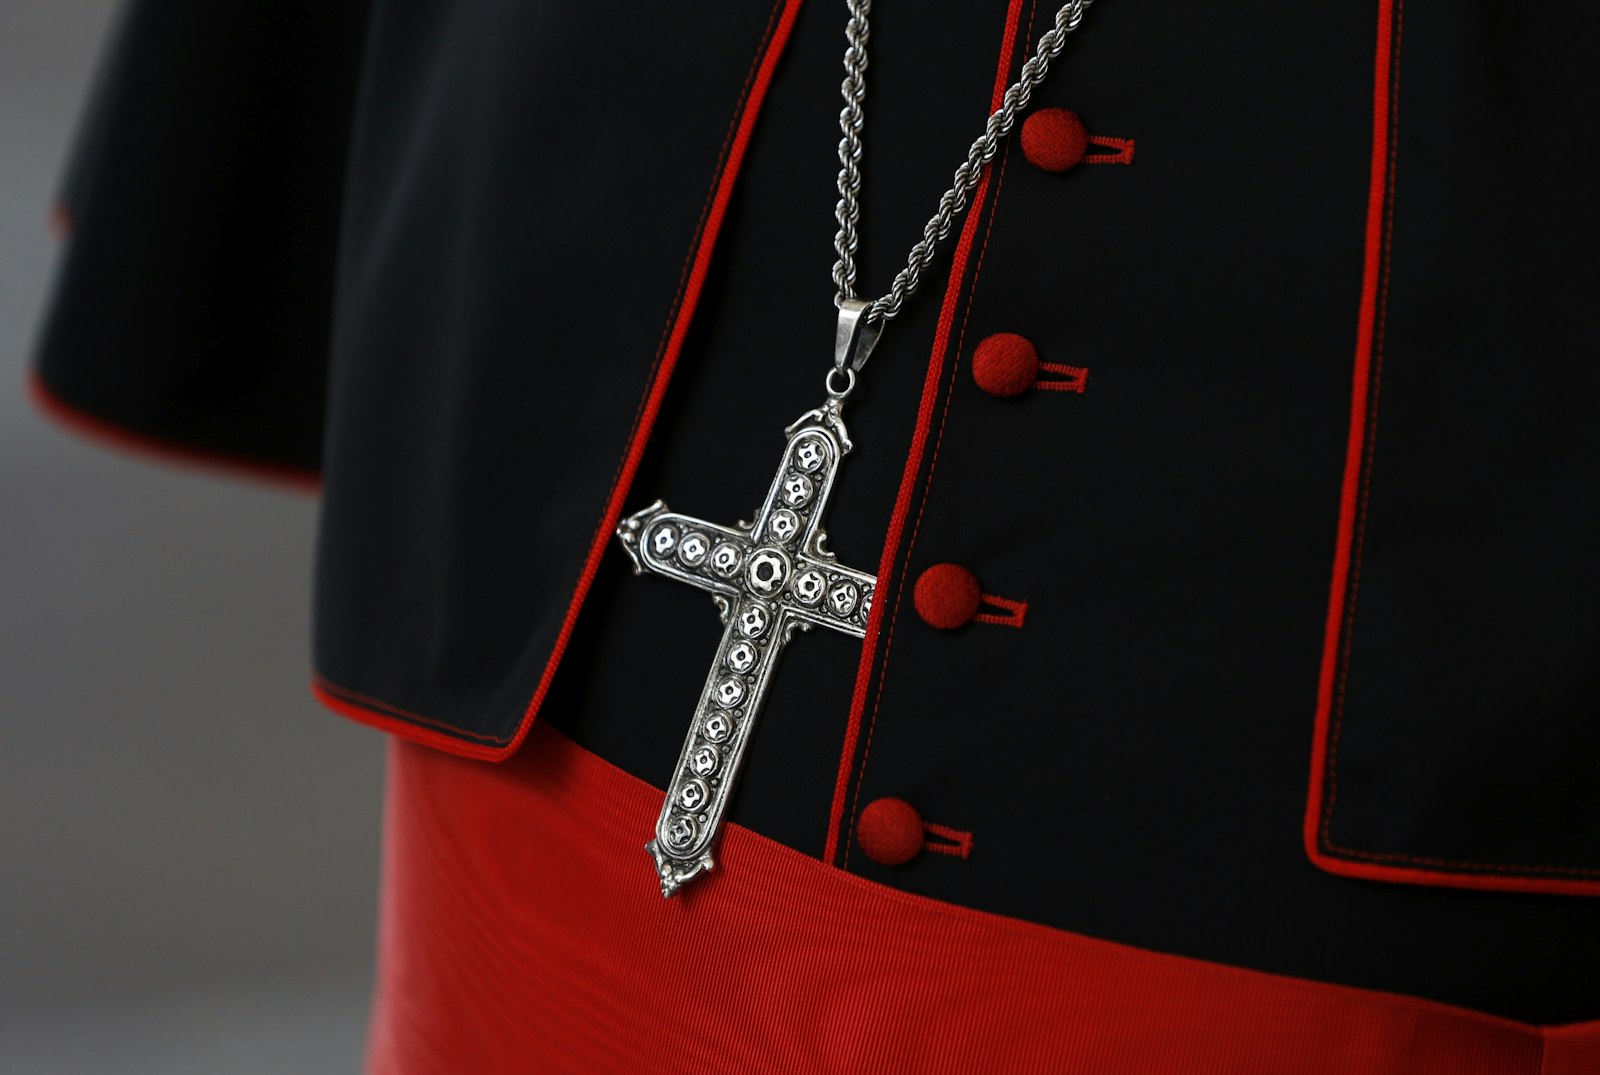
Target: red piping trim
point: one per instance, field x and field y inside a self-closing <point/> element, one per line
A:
<point x="413" y="726"/>
<point x="1374" y="260"/>
<point x="120" y="439"/>
<point x="1322" y="792"/>
<point x="919" y="440"/>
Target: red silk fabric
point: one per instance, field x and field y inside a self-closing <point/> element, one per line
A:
<point x="522" y="930"/>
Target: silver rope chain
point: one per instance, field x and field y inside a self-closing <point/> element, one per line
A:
<point x="848" y="210"/>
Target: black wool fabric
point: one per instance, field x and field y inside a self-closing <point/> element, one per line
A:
<point x="436" y="252"/>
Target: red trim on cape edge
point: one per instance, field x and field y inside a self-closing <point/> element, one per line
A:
<point x="559" y="955"/>
<point x="919" y="440"/>
<point x="696" y="265"/>
<point x="1351" y="862"/>
<point x="118" y="438"/>
<point x="413" y="726"/>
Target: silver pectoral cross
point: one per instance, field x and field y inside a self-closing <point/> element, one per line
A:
<point x="768" y="579"/>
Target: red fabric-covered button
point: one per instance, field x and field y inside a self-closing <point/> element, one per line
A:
<point x="1005" y="364"/>
<point x="1054" y="139"/>
<point x="890" y="831"/>
<point x="947" y="596"/>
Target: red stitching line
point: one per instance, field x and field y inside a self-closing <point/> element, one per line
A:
<point x="888" y="640"/>
<point x="1122" y="146"/>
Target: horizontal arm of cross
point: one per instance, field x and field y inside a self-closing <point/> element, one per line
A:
<point x="705" y="555"/>
<point x="846" y="595"/>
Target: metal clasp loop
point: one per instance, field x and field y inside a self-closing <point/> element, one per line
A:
<point x="836" y="394"/>
<point x="855" y="337"/>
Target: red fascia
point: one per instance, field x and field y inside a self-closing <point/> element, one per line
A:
<point x="563" y="958"/>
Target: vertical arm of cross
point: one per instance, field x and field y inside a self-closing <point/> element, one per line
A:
<point x="708" y="765"/>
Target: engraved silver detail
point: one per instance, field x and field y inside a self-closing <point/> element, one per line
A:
<point x="767" y="571"/>
<point x="675" y="870"/>
<point x="766" y="594"/>
<point x="810" y="454"/>
<point x="741" y="656"/>
<point x="704" y="761"/>
<point x="726" y="558"/>
<point x="681" y="832"/>
<point x="797" y="490"/>
<point x="730" y="692"/>
<point x="808" y="586"/>
<point x="663" y="539"/>
<point x="754" y="621"/>
<point x="718" y="727"/>
<point x="692" y="795"/>
<point x="783" y="526"/>
<point x="843" y="598"/>
<point x="693" y="548"/>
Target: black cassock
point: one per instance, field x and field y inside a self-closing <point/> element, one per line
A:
<point x="1287" y="651"/>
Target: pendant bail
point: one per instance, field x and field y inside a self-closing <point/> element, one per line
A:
<point x="855" y="337"/>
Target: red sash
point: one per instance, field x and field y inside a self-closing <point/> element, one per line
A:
<point x="522" y="931"/>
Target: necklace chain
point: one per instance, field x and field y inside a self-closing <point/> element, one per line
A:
<point x="848" y="209"/>
<point x="778" y="572"/>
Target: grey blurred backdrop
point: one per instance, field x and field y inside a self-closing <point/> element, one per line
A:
<point x="188" y="842"/>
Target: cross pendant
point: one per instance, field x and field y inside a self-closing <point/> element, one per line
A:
<point x="768" y="578"/>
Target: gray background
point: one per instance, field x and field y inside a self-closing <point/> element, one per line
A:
<point x="188" y="842"/>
